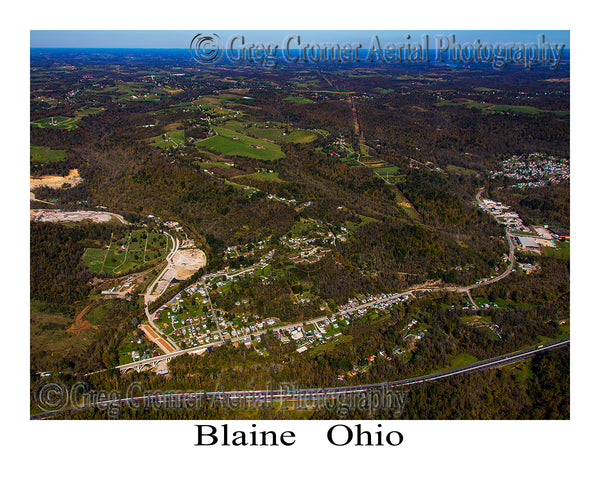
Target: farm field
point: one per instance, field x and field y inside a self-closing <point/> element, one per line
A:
<point x="66" y="123"/>
<point x="56" y="122"/>
<point x="273" y="131"/>
<point x="491" y="108"/>
<point x="230" y="142"/>
<point x="46" y="154"/>
<point x="300" y="100"/>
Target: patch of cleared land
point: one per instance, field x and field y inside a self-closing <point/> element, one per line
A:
<point x="55" y="181"/>
<point x="61" y="216"/>
<point x="187" y="262"/>
<point x="139" y="248"/>
<point x="183" y="265"/>
<point x="230" y="142"/>
<point x="300" y="100"/>
<point x="46" y="154"/>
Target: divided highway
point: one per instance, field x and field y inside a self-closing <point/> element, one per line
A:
<point x="329" y="392"/>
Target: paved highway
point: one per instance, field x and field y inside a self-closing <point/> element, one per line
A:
<point x="149" y="315"/>
<point x="282" y="395"/>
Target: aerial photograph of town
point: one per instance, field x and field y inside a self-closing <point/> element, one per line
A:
<point x="269" y="225"/>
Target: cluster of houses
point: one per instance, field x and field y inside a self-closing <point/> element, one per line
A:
<point x="533" y="170"/>
<point x="309" y="254"/>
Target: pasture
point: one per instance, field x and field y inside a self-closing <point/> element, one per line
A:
<point x="46" y="154"/>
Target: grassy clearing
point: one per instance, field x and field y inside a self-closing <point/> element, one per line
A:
<point x="230" y="142"/>
<point x="263" y="177"/>
<point x="46" y="154"/>
<point x="301" y="136"/>
<point x="93" y="258"/>
<point x="90" y="111"/>
<point x="274" y="132"/>
<point x="300" y="100"/>
<point x="522" y="370"/>
<point x="388" y="169"/>
<point x="48" y="336"/>
<point x="214" y="163"/>
<point x="490" y="108"/>
<point x="463" y="360"/>
<point x="336" y="92"/>
<point x="563" y="251"/>
<point x="487" y="332"/>
<point x="65" y="123"/>
<point x="405" y="205"/>
<point x="330" y="345"/>
<point x="171" y="138"/>
<point x="353" y="226"/>
<point x="126" y="254"/>
<point x="486" y="89"/>
<point x="461" y="170"/>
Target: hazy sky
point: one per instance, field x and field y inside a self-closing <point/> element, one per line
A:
<point x="182" y="38"/>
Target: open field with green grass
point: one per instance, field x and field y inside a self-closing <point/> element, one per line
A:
<point x="491" y="108"/>
<point x="171" y="137"/>
<point x="563" y="251"/>
<point x="486" y="89"/>
<point x="353" y="226"/>
<point x="90" y="111"/>
<point x="463" y="360"/>
<point x="386" y="170"/>
<point x="301" y="136"/>
<point x="461" y="170"/>
<point x="336" y="92"/>
<point x="262" y="177"/>
<point x="214" y="163"/>
<point x="300" y="100"/>
<point x="49" y="338"/>
<point x="230" y="142"/>
<point x="128" y="253"/>
<point x="65" y="123"/>
<point x="46" y="155"/>
<point x="273" y="131"/>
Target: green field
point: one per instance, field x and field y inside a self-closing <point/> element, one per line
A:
<point x="230" y="142"/>
<point x="461" y="170"/>
<point x="213" y="163"/>
<point x="171" y="138"/>
<point x="301" y="136"/>
<point x="490" y="108"/>
<point x="525" y="109"/>
<point x="563" y="251"/>
<point x="486" y="89"/>
<point x="353" y="226"/>
<point x="391" y="170"/>
<point x="263" y="177"/>
<point x="65" y="123"/>
<point x="300" y="100"/>
<point x="463" y="360"/>
<point x="273" y="131"/>
<point x="127" y="253"/>
<point x="90" y="111"/>
<point x="46" y="155"/>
